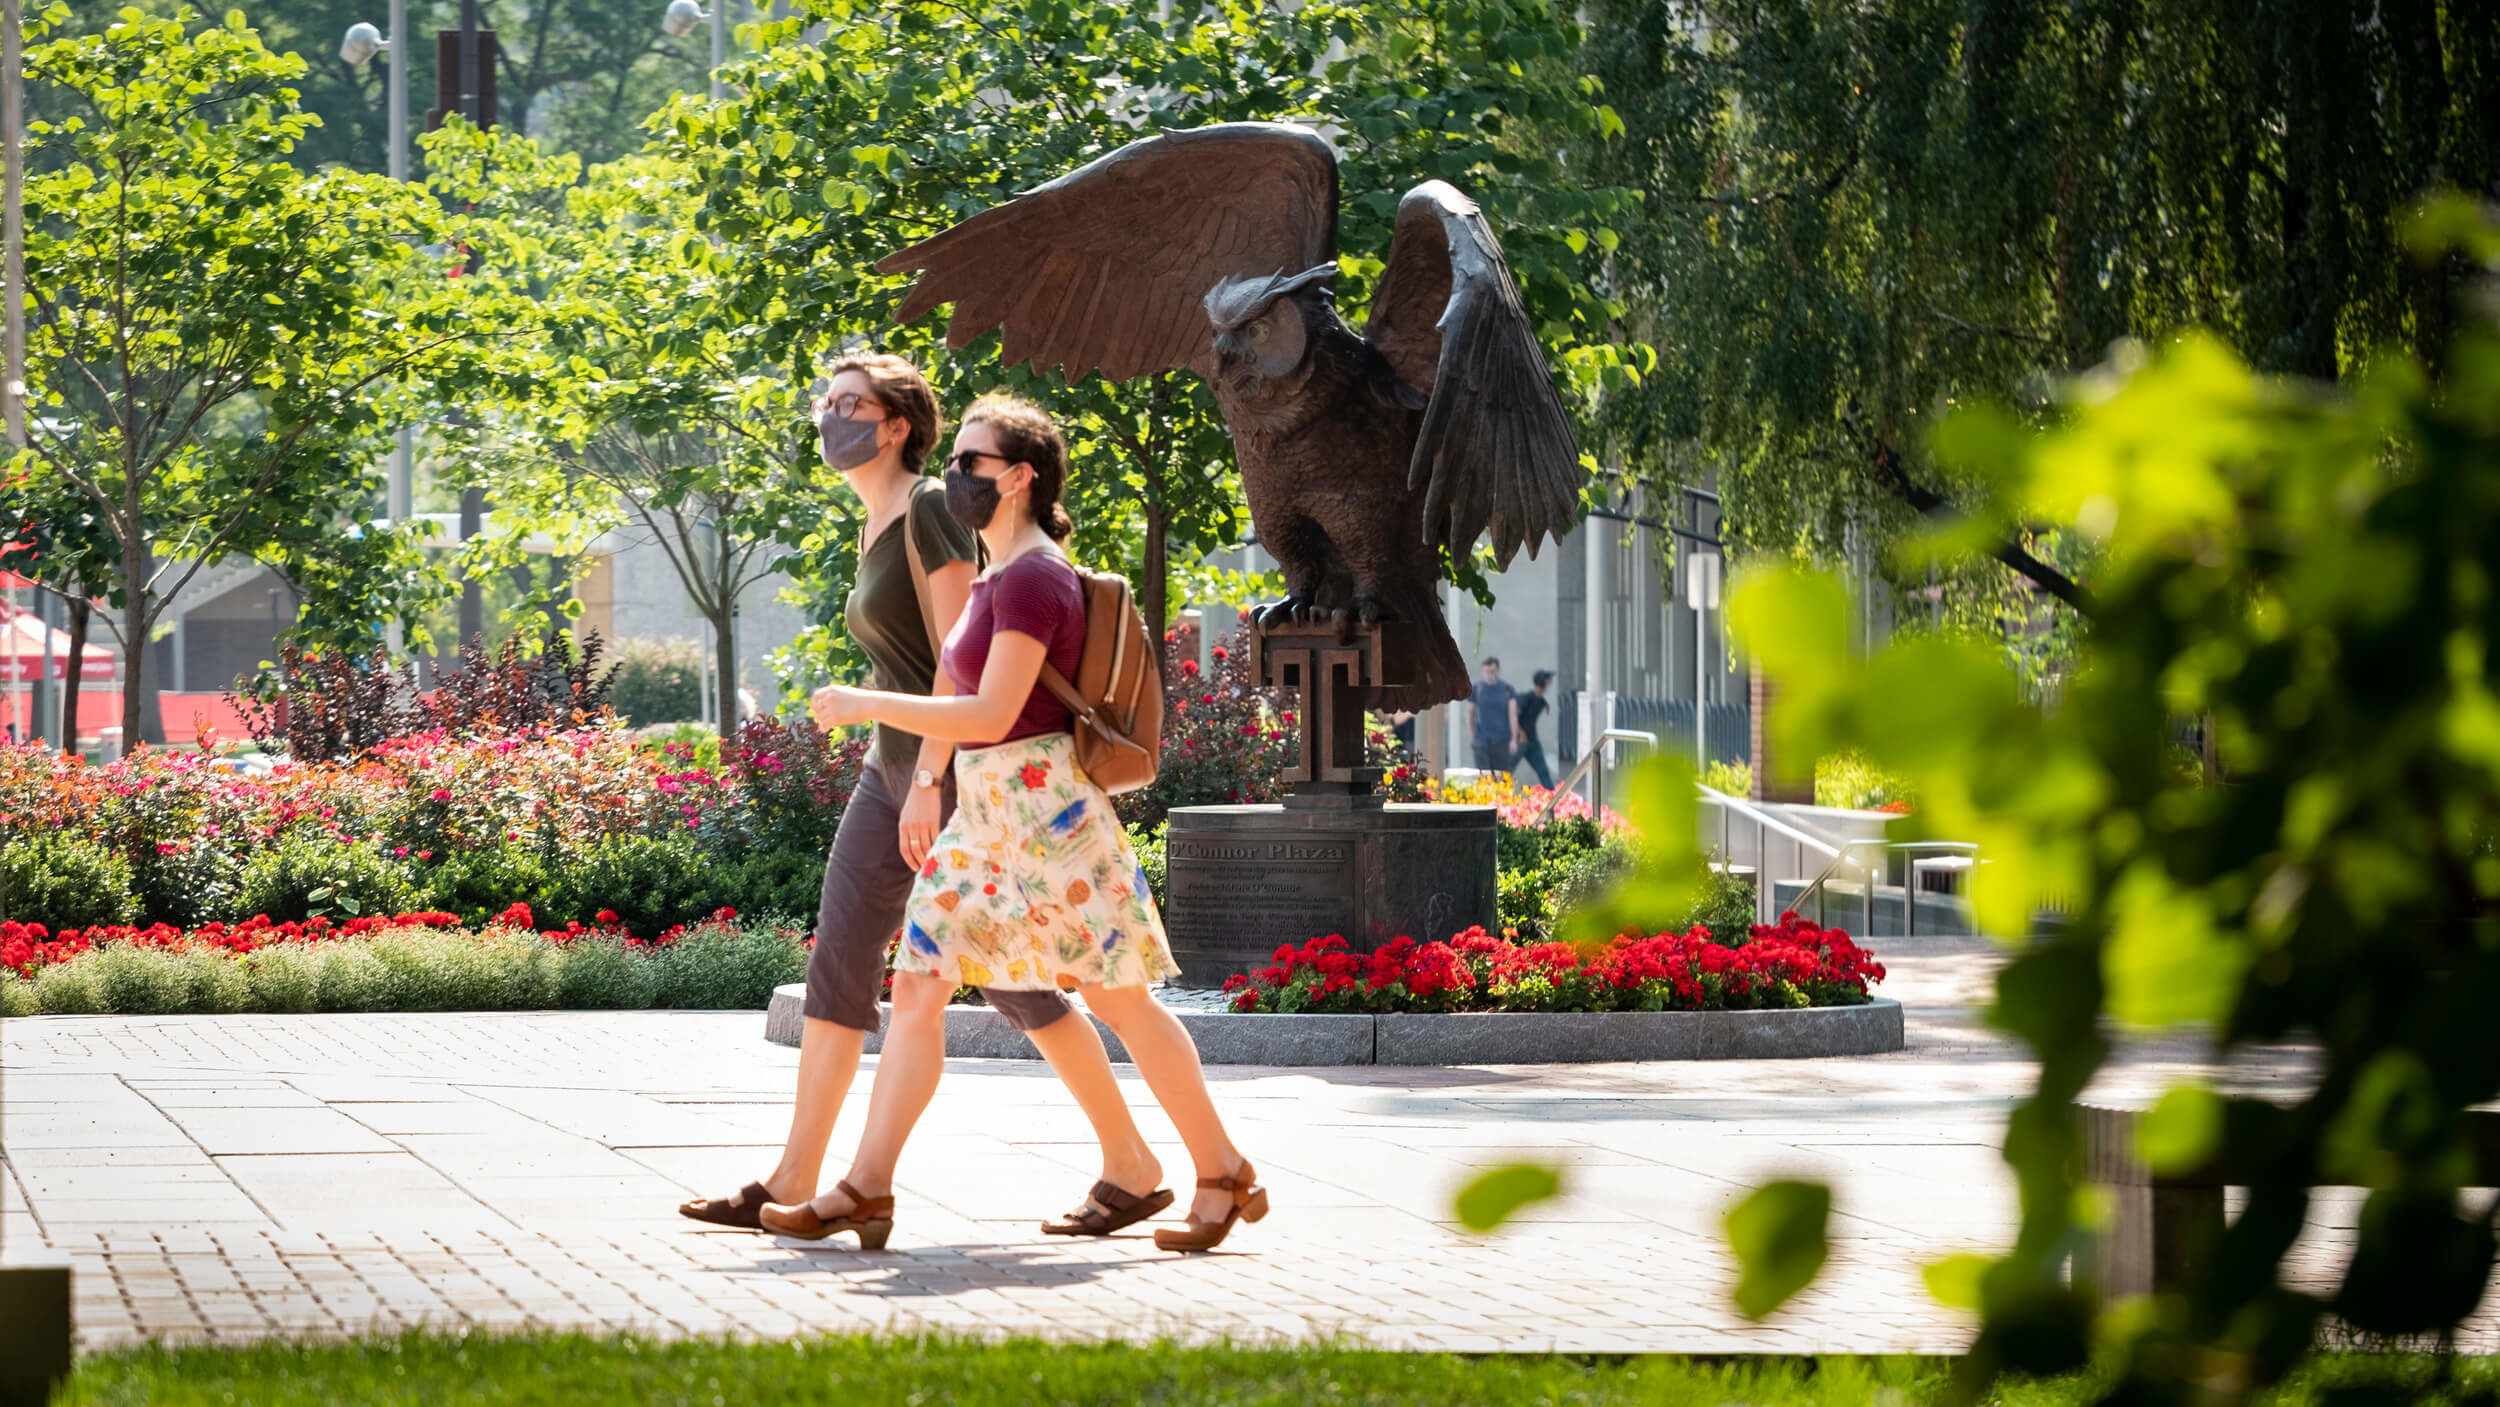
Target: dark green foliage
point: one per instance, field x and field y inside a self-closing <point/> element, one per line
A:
<point x="63" y="879"/>
<point x="657" y="681"/>
<point x="308" y="873"/>
<point x="1534" y="866"/>
<point x="1151" y="856"/>
<point x="1857" y="214"/>
<point x="479" y="884"/>
<point x="787" y="882"/>
<point x="648" y="884"/>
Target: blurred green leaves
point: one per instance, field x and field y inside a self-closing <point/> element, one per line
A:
<point x="1493" y="1198"/>
<point x="1778" y="1234"/>
<point x="2306" y="576"/>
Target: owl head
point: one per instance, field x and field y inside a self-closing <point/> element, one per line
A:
<point x="1262" y="327"/>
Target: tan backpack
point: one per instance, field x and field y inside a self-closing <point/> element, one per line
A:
<point x="1117" y="695"/>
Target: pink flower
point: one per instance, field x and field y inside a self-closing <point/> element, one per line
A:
<point x="442" y="794"/>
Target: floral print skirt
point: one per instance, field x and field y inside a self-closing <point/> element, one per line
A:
<point x="1032" y="885"/>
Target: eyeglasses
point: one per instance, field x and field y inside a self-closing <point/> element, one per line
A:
<point x="841" y="406"/>
<point x="965" y="459"/>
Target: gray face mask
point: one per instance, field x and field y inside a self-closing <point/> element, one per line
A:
<point x="845" y="443"/>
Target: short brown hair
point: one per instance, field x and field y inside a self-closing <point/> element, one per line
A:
<point x="903" y="391"/>
<point x="1027" y="434"/>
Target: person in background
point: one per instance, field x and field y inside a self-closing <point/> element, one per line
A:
<point x="1532" y="707"/>
<point x="1493" y="711"/>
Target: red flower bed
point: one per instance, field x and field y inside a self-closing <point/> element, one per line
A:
<point x="1792" y="963"/>
<point x="24" y="947"/>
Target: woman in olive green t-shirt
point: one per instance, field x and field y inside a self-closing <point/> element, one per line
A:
<point x="876" y="425"/>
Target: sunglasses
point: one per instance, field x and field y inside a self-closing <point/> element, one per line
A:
<point x="964" y="460"/>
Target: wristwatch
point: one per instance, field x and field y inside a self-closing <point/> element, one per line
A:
<point x="924" y="778"/>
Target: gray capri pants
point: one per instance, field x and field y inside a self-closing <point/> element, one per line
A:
<point x="861" y="909"/>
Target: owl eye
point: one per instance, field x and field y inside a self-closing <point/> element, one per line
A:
<point x="1258" y="330"/>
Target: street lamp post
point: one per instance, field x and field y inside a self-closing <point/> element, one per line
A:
<point x="362" y="43"/>
<point x="684" y="15"/>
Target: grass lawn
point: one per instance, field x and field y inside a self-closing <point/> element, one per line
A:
<point x="573" y="1369"/>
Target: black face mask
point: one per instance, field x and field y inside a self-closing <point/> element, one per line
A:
<point x="972" y="499"/>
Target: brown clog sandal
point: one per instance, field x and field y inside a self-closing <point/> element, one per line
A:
<point x="1249" y="1204"/>
<point x="738" y="1210"/>
<point x="1110" y="1209"/>
<point x="871" y="1217"/>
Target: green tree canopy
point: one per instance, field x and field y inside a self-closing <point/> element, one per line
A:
<point x="1859" y="215"/>
<point x="213" y="332"/>
<point x="908" y="117"/>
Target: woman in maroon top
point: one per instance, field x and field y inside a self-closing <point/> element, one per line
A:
<point x="877" y="423"/>
<point x="1032" y="886"/>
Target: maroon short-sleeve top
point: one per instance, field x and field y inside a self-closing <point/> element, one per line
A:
<point x="1038" y="595"/>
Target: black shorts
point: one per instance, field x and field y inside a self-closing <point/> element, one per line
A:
<point x="861" y="910"/>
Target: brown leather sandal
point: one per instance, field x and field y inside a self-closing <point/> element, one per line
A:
<point x="738" y="1210"/>
<point x="1249" y="1204"/>
<point x="871" y="1217"/>
<point x="1110" y="1209"/>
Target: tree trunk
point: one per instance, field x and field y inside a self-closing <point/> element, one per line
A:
<point x="472" y="590"/>
<point x="136" y="559"/>
<point x="78" y="617"/>
<point x="1154" y="573"/>
<point x="725" y="639"/>
<point x="725" y="671"/>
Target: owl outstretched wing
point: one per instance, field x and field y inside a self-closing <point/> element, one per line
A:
<point x="1106" y="267"/>
<point x="1496" y="450"/>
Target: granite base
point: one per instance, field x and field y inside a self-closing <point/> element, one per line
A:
<point x="1456" y="1038"/>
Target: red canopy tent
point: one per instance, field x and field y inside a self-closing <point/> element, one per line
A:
<point x="26" y="647"/>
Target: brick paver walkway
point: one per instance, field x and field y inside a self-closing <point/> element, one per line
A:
<point x="233" y="1177"/>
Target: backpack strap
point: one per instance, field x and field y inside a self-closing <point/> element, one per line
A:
<point x="1066" y="692"/>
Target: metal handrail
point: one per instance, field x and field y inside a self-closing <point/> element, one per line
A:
<point x="1764" y="819"/>
<point x="1593" y="755"/>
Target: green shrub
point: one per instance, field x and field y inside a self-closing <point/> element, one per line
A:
<point x="17" y="997"/>
<point x="186" y="887"/>
<point x="1726" y="905"/>
<point x="286" y="978"/>
<point x="598" y="974"/>
<point x="63" y="879"/>
<point x="650" y="884"/>
<point x="767" y="882"/>
<point x="657" y="681"/>
<point x="138" y="981"/>
<point x="69" y="989"/>
<point x="1730" y="778"/>
<point x="1847" y="780"/>
<point x="717" y="966"/>
<point x="479" y="884"/>
<point x="303" y="875"/>
<point x="1151" y="855"/>
<point x="352" y="978"/>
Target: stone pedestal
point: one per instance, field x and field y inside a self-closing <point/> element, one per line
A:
<point x="1243" y="880"/>
<point x="1334" y="858"/>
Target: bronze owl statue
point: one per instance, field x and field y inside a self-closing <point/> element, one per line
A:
<point x="1365" y="457"/>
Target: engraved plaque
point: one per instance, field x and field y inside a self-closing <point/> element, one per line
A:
<point x="1245" y="895"/>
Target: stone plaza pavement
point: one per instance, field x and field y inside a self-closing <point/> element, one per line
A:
<point x="244" y="1176"/>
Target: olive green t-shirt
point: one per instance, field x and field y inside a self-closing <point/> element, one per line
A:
<point x="883" y="611"/>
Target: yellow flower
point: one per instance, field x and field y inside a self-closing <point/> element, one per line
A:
<point x="974" y="974"/>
